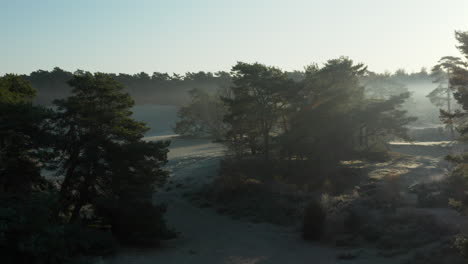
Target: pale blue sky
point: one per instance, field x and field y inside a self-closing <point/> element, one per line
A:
<point x="180" y="35"/>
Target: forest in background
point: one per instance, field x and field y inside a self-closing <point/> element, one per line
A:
<point x="166" y="89"/>
<point x="159" y="96"/>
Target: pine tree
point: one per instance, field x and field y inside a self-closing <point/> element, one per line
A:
<point x="24" y="137"/>
<point x="442" y="95"/>
<point x="254" y="107"/>
<point x="104" y="155"/>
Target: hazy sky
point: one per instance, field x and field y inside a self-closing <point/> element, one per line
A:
<point x="178" y="36"/>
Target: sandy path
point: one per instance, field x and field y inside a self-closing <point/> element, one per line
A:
<point x="207" y="237"/>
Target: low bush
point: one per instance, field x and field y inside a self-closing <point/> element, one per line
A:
<point x="314" y="221"/>
<point x="252" y="190"/>
<point x="409" y="229"/>
<point x="137" y="223"/>
<point x="461" y="244"/>
<point x="443" y="252"/>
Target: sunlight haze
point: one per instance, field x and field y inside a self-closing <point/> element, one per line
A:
<point x="180" y="36"/>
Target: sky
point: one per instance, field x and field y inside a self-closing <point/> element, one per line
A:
<point x="130" y="36"/>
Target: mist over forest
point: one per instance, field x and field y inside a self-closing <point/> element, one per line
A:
<point x="158" y="96"/>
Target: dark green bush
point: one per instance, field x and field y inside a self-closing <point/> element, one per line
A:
<point x="140" y="223"/>
<point x="314" y="221"/>
<point x="352" y="222"/>
<point x="91" y="241"/>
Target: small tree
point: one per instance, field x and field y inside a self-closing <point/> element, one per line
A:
<point x="203" y="117"/>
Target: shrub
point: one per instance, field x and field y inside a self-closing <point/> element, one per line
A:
<point x="91" y="241"/>
<point x="461" y="244"/>
<point x="314" y="221"/>
<point x="343" y="179"/>
<point x="29" y="233"/>
<point x="353" y="222"/>
<point x="389" y="191"/>
<point x="140" y="223"/>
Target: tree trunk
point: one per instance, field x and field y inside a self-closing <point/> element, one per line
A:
<point x="76" y="211"/>
<point x="64" y="190"/>
<point x="266" y="143"/>
<point x="449" y="110"/>
<point x="84" y="195"/>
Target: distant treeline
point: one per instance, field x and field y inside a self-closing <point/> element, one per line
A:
<point x="158" y="88"/>
<point x="166" y="89"/>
